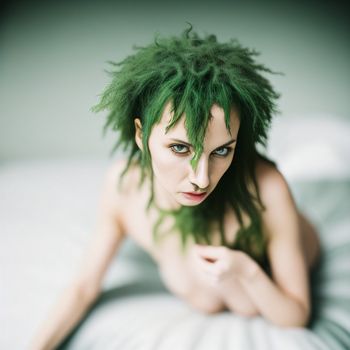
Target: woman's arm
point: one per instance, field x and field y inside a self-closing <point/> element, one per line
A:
<point x="85" y="286"/>
<point x="275" y="303"/>
<point x="66" y="313"/>
<point x="227" y="268"/>
<point x="284" y="299"/>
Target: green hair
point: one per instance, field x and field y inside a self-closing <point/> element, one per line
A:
<point x="194" y="73"/>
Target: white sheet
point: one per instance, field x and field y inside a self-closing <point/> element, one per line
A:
<point x="47" y="211"/>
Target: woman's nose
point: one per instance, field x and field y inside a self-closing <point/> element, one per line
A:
<point x="200" y="176"/>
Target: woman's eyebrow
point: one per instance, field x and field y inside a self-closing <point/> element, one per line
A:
<point x="227" y="143"/>
<point x="189" y="145"/>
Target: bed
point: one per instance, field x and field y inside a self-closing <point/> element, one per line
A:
<point x="47" y="210"/>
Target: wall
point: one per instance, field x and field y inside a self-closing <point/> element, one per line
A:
<point x="53" y="56"/>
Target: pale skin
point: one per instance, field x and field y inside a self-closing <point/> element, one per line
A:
<point x="209" y="278"/>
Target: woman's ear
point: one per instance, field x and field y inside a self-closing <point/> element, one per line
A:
<point x="138" y="133"/>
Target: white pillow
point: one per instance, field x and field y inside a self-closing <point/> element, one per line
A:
<point x="311" y="147"/>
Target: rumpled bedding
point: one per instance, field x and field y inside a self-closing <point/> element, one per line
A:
<point x="47" y="212"/>
<point x="140" y="314"/>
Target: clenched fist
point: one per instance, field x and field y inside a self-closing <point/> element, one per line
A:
<point x="218" y="264"/>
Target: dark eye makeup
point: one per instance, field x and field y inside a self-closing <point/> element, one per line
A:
<point x="181" y="150"/>
<point x="226" y="151"/>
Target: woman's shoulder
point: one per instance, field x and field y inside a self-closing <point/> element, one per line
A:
<point x="276" y="198"/>
<point x="272" y="184"/>
<point x="120" y="181"/>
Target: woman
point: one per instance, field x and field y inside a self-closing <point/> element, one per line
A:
<point x="217" y="217"/>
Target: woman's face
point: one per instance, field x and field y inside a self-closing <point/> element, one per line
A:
<point x="175" y="181"/>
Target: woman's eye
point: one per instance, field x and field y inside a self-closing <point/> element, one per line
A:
<point x="179" y="149"/>
<point x="224" y="151"/>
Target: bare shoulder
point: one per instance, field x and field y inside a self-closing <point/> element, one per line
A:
<point x="273" y="187"/>
<point x="117" y="182"/>
<point x="117" y="187"/>
<point x="279" y="206"/>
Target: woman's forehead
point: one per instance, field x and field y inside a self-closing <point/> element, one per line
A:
<point x="167" y="114"/>
<point x="216" y="125"/>
<point x="216" y="115"/>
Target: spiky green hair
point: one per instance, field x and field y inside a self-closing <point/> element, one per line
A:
<point x="194" y="73"/>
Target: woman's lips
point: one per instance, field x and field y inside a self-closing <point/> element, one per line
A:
<point x="194" y="196"/>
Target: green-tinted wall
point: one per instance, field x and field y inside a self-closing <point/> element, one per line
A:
<point x="52" y="57"/>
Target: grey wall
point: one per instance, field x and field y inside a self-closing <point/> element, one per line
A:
<point x="52" y="57"/>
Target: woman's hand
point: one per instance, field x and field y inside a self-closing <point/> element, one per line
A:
<point x="221" y="264"/>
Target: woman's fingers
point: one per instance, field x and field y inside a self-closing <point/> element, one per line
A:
<point x="213" y="270"/>
<point x="209" y="252"/>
